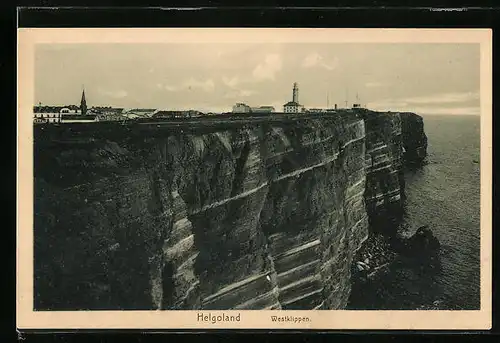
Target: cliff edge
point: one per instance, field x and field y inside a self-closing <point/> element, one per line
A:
<point x="216" y="213"/>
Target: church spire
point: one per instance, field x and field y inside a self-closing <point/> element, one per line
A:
<point x="83" y="103"/>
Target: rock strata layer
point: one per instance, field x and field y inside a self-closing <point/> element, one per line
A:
<point x="214" y="214"/>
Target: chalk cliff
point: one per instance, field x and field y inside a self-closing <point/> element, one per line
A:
<point x="215" y="214"/>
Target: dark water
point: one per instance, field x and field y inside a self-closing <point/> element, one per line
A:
<point x="444" y="194"/>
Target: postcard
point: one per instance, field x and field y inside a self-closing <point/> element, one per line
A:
<point x="254" y="178"/>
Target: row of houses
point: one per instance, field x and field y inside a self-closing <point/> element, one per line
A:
<point x="43" y="118"/>
<point x="72" y="116"/>
<point x="99" y="114"/>
<point x="82" y="114"/>
<point x="73" y="113"/>
<point x="91" y="116"/>
<point x="244" y="108"/>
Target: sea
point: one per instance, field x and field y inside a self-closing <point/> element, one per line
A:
<point x="445" y="195"/>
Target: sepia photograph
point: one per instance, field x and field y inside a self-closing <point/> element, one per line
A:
<point x="230" y="173"/>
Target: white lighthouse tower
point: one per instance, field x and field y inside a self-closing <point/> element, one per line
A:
<point x="295" y="97"/>
<point x="294" y="106"/>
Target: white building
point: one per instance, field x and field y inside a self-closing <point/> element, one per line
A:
<point x="51" y="114"/>
<point x="241" y="108"/>
<point x="66" y="110"/>
<point x="294" y="106"/>
<point x="47" y="117"/>
<point x="262" y="109"/>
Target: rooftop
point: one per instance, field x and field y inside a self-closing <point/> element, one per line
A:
<point x="292" y="103"/>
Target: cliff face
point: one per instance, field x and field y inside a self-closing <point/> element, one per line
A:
<point x="263" y="214"/>
<point x="385" y="179"/>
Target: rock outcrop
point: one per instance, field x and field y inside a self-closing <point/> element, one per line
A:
<point x="423" y="240"/>
<point x="414" y="138"/>
<point x="262" y="213"/>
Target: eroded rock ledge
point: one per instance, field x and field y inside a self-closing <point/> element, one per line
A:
<point x="225" y="214"/>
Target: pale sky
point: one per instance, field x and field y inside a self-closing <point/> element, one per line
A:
<point x="423" y="78"/>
